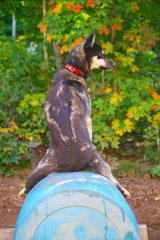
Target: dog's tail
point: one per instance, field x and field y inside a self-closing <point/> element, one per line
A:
<point x="37" y="175"/>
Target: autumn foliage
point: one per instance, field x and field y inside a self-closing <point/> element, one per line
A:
<point x="125" y="101"/>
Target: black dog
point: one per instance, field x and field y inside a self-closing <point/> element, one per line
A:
<point x="68" y="114"/>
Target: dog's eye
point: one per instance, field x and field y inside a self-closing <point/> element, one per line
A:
<point x="101" y="55"/>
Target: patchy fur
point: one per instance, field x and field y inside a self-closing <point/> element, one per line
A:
<point x="68" y="114"/>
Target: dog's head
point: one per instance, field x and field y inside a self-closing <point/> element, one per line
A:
<point x="89" y="55"/>
<point x="95" y="54"/>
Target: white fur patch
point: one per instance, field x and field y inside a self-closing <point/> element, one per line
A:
<point x="54" y="123"/>
<point x="21" y="193"/>
<point x="97" y="63"/>
<point x="89" y="126"/>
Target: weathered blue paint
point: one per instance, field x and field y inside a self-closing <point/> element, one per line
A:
<point x="76" y="206"/>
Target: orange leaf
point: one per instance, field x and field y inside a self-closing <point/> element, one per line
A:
<point x="104" y="30"/>
<point x="135" y="8"/>
<point x="155" y="95"/>
<point x="90" y="3"/>
<point x="77" y="8"/>
<point x="154" y="107"/>
<point x="108" y="90"/>
<point x="69" y="5"/>
<point x="77" y="41"/>
<point x="43" y="28"/>
<point x="116" y="27"/>
<point x="49" y="38"/>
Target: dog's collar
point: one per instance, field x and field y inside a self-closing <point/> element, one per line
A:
<point x="74" y="69"/>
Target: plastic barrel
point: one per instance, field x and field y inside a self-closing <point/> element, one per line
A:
<point x="76" y="206"/>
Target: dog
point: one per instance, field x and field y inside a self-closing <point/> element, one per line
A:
<point x="68" y="114"/>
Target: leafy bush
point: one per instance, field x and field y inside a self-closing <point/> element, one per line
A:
<point x="31" y="117"/>
<point x="156" y="171"/>
<point x="126" y="101"/>
<point x="21" y="116"/>
<point x="15" y="138"/>
<point x="21" y="73"/>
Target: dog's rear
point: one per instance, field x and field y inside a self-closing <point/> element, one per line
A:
<point x="68" y="114"/>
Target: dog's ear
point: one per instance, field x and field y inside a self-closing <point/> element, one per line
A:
<point x="89" y="42"/>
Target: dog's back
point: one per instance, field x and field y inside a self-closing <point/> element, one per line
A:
<point x="68" y="114"/>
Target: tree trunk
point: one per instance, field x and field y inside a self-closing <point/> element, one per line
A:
<point x="58" y="56"/>
<point x="13" y="25"/>
<point x="45" y="49"/>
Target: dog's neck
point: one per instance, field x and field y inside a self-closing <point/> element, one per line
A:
<point x="74" y="70"/>
<point x="77" y="71"/>
<point x="65" y="74"/>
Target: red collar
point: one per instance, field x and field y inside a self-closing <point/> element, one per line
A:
<point x="74" y="69"/>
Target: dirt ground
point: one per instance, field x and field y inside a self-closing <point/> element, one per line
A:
<point x="145" y="201"/>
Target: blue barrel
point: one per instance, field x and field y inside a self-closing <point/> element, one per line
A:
<point x="76" y="206"/>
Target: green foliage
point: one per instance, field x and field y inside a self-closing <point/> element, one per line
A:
<point x="156" y="171"/>
<point x="21" y="73"/>
<point x="126" y="168"/>
<point x="151" y="143"/>
<point x="126" y="101"/>
<point x="21" y="115"/>
<point x="32" y="117"/>
<point x="11" y="152"/>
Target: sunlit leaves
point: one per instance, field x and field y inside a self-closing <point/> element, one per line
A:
<point x="57" y="9"/>
<point x="115" y="99"/>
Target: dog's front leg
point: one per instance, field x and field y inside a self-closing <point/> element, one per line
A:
<point x="101" y="167"/>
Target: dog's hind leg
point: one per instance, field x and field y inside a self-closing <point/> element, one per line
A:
<point x="44" y="168"/>
<point x="100" y="166"/>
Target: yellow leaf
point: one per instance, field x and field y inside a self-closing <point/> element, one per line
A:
<point x="64" y="49"/>
<point x="131" y="49"/>
<point x="108" y="47"/>
<point x="119" y="132"/>
<point x="128" y="122"/>
<point x="115" y="124"/>
<point x="3" y="130"/>
<point x="35" y="102"/>
<point x="57" y="9"/>
<point x="156" y="117"/>
<point x="132" y="111"/>
<point x="134" y="68"/>
<point x="138" y="39"/>
<point x="66" y="36"/>
<point x="21" y="37"/>
<point x="129" y="60"/>
<point x="29" y="138"/>
<point x="116" y="99"/>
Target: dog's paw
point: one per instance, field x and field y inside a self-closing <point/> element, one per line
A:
<point x="22" y="194"/>
<point x="126" y="194"/>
